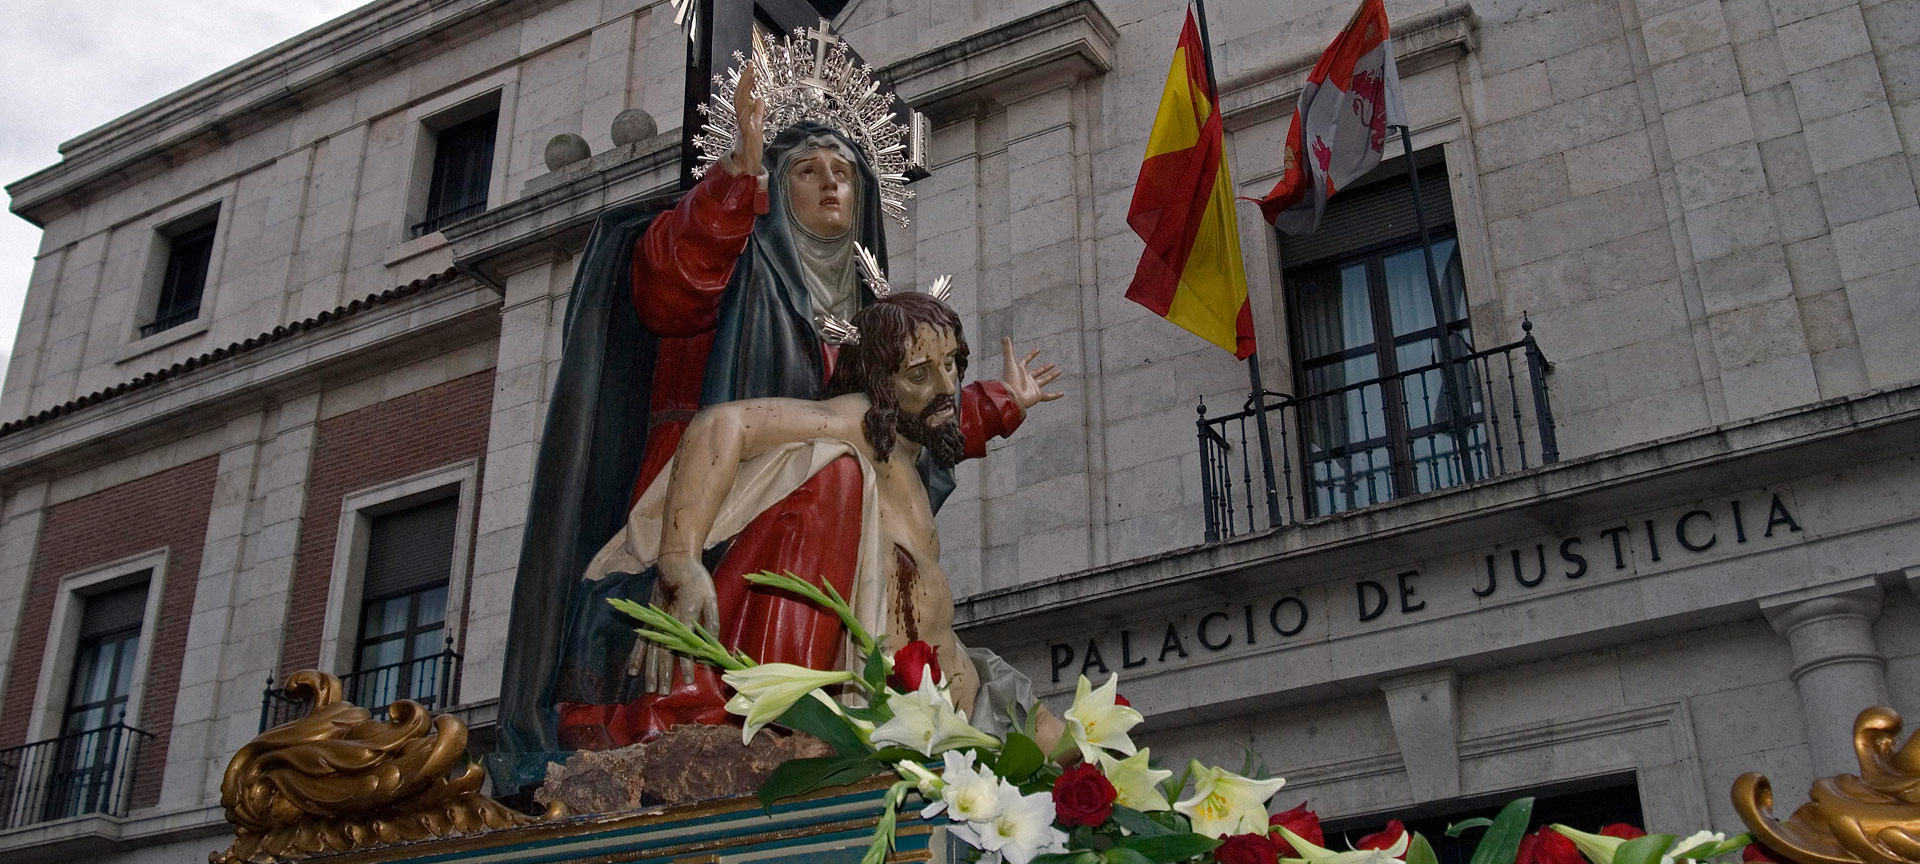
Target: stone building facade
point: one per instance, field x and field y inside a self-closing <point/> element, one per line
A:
<point x="1705" y="212"/>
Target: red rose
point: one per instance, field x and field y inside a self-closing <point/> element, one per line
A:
<point x="1547" y="846"/>
<point x="1385" y="838"/>
<point x="913" y="661"/>
<point x="1623" y="831"/>
<point x="1301" y="821"/>
<point x="1248" y="849"/>
<point x="1121" y="701"/>
<point x="1083" y="796"/>
<point x="1754" y="853"/>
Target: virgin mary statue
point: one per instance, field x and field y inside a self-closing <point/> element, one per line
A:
<point x="722" y="296"/>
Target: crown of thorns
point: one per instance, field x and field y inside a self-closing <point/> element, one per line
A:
<point x="810" y="75"/>
<point x="840" y="331"/>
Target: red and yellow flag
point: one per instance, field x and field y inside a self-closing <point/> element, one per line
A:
<point x="1191" y="273"/>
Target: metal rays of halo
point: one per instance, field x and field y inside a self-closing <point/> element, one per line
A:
<point x="811" y="76"/>
<point x="839" y="331"/>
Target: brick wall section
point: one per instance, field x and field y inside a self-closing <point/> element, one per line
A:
<point x="397" y="438"/>
<point x="168" y="509"/>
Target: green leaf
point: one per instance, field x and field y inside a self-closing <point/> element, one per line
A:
<point x="1138" y="822"/>
<point x="1168" y="848"/>
<point x="1501" y="844"/>
<point x="1082" y="857"/>
<point x="1124" y="855"/>
<point x="1019" y="758"/>
<point x="1175" y="822"/>
<point x="800" y="776"/>
<point x="875" y="673"/>
<point x="1420" y="851"/>
<point x="813" y="718"/>
<point x="1462" y="826"/>
<point x="1643" y="850"/>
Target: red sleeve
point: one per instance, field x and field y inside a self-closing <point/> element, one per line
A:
<point x="987" y="411"/>
<point x="682" y="264"/>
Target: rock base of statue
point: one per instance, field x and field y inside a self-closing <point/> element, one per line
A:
<point x="687" y="764"/>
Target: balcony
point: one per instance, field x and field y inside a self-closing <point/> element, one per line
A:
<point x="1451" y="422"/>
<point x="79" y="774"/>
<point x="431" y="680"/>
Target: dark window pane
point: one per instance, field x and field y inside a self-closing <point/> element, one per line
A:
<point x="462" y="167"/>
<point x="188" y="256"/>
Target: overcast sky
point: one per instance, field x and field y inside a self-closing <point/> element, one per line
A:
<point x="67" y="66"/>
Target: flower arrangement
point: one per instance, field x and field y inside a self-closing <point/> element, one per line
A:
<point x="1015" y="804"/>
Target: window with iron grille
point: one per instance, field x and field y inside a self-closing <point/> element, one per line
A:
<point x="89" y="750"/>
<point x="462" y="169"/>
<point x="189" y="254"/>
<point x="1380" y="418"/>
<point x="403" y="614"/>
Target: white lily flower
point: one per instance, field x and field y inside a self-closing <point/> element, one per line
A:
<point x="1021" y="830"/>
<point x="766" y="691"/>
<point x="926" y="722"/>
<point x="968" y="793"/>
<point x="1225" y="803"/>
<point x="1314" y="854"/>
<point x="1135" y="781"/>
<point x="1691" y="842"/>
<point x="1598" y="848"/>
<point x="1096" y="722"/>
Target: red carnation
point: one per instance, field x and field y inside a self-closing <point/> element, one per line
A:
<point x="1083" y="796"/>
<point x="1385" y="838"/>
<point x="913" y="661"/>
<point x="1547" y="846"/>
<point x="1623" y="831"/>
<point x="1301" y="821"/>
<point x="1249" y="849"/>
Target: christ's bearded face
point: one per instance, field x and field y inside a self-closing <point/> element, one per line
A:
<point x="925" y="386"/>
<point x="820" y="187"/>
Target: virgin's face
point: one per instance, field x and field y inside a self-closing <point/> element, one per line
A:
<point x="820" y="186"/>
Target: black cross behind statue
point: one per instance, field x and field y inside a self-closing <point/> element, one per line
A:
<point x="721" y="27"/>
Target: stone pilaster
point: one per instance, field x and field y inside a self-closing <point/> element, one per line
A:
<point x="20" y="523"/>
<point x="520" y="384"/>
<point x="1838" y="668"/>
<point x="257" y="600"/>
<point x="195" y="741"/>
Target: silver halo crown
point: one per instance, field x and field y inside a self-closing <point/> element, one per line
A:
<point x="810" y="75"/>
<point x="840" y="331"/>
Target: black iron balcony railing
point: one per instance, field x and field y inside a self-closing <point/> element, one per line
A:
<point x="1453" y="421"/>
<point x="72" y="775"/>
<point x="438" y="221"/>
<point x="431" y="681"/>
<point x="170" y="321"/>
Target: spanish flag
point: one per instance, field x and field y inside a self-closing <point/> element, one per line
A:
<point x="1183" y="208"/>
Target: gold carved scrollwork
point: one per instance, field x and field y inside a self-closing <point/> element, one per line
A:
<point x="1873" y="818"/>
<point x="337" y="780"/>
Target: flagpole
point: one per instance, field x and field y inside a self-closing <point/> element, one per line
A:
<point x="1259" y="398"/>
<point x="1442" y="315"/>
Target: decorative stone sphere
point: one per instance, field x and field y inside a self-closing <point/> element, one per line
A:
<point x="565" y="149"/>
<point x="633" y="125"/>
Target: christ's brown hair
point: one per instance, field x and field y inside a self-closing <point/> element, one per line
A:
<point x="868" y="365"/>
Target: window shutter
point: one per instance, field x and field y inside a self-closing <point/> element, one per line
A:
<point x="113" y="611"/>
<point x="1370" y="215"/>
<point x="410" y="549"/>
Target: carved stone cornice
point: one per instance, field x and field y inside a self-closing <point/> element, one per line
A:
<point x="279" y="82"/>
<point x="999" y="64"/>
<point x="1420" y="42"/>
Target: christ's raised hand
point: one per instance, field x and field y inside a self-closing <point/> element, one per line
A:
<point x="1026" y="384"/>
